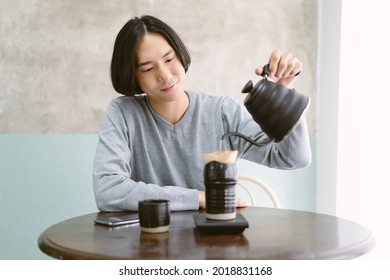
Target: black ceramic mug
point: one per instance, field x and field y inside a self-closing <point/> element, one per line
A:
<point x="154" y="215"/>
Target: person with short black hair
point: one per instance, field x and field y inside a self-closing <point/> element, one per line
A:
<point x="154" y="136"/>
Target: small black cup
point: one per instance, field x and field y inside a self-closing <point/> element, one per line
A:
<point x="154" y="215"/>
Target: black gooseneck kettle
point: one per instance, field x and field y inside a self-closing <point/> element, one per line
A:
<point x="275" y="108"/>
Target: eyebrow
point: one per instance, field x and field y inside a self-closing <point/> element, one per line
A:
<point x="148" y="62"/>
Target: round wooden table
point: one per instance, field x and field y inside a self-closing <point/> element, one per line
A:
<point x="272" y="234"/>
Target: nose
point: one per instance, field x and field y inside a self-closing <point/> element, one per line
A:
<point x="164" y="74"/>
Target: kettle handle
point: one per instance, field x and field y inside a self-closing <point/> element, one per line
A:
<point x="266" y="71"/>
<point x="249" y="85"/>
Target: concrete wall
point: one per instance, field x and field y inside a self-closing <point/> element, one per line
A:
<point x="55" y="87"/>
<point x="55" y="55"/>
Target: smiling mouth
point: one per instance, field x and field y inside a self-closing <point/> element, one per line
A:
<point x="169" y="88"/>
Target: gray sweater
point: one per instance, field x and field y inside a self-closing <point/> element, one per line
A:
<point x="140" y="155"/>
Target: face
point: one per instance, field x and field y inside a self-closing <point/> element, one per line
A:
<point x="159" y="71"/>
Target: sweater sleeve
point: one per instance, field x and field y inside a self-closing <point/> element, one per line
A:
<point x="113" y="187"/>
<point x="293" y="152"/>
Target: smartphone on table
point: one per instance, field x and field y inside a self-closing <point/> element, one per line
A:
<point x="119" y="220"/>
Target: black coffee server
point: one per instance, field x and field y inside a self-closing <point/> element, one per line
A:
<point x="220" y="178"/>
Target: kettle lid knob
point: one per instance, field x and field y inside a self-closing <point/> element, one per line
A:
<point x="248" y="87"/>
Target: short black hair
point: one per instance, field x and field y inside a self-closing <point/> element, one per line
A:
<point x="123" y="63"/>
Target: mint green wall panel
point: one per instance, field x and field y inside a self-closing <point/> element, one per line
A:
<point x="44" y="179"/>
